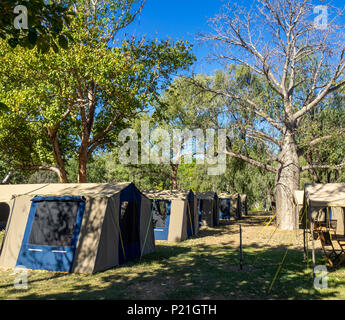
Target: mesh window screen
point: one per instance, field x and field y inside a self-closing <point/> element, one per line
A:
<point x="4" y="213"/>
<point x="160" y="212"/>
<point x="223" y="207"/>
<point x="54" y="223"/>
<point x="129" y="222"/>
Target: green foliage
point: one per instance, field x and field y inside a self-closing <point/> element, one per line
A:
<point x="46" y="22"/>
<point x="90" y="87"/>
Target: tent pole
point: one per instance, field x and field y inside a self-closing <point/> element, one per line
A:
<point x="241" y="249"/>
<point x="313" y="246"/>
<point x="304" y="246"/>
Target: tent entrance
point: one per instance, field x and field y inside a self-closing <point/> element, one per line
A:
<point x="200" y="207"/>
<point x="129" y="246"/>
<point x="224" y="209"/>
<point x="51" y="233"/>
<point x="215" y="213"/>
<point x="161" y="218"/>
<point x="4" y="214"/>
<point x="190" y="216"/>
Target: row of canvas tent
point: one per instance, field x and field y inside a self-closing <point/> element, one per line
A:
<point x="87" y="228"/>
<point x="178" y="215"/>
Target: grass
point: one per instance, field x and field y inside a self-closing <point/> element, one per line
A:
<point x="206" y="267"/>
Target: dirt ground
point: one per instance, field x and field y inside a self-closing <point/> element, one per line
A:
<point x="258" y="230"/>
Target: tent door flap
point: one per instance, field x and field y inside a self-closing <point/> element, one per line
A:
<point x="51" y="233"/>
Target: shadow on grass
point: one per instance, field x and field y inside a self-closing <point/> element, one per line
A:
<point x="202" y="272"/>
<point x="191" y="270"/>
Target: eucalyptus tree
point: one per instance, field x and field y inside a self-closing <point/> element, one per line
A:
<point x="72" y="102"/>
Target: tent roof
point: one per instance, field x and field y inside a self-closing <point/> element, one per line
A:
<point x="59" y="189"/>
<point x="298" y="197"/>
<point x="206" y="195"/>
<point x="325" y="195"/>
<point x="166" y="194"/>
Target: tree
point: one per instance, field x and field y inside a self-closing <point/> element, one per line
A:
<point x="75" y="102"/>
<point x="41" y="23"/>
<point x="283" y="44"/>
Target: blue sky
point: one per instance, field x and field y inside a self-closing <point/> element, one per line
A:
<point x="179" y="20"/>
<point x="183" y="19"/>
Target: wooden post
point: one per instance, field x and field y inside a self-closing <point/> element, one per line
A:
<point x="241" y="250"/>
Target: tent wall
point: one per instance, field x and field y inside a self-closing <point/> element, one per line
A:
<point x="15" y="229"/>
<point x="244" y="204"/>
<point x="178" y="221"/>
<point x="338" y="214"/>
<point x="93" y="237"/>
<point x="298" y="215"/>
<point x="235" y="206"/>
<point x="147" y="239"/>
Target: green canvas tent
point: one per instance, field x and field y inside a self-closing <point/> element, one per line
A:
<point x="82" y="228"/>
<point x="208" y="208"/>
<point x="230" y="206"/>
<point x="320" y="197"/>
<point x="323" y="204"/>
<point x="175" y="215"/>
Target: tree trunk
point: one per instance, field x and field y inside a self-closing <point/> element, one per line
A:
<point x="287" y="181"/>
<point x="52" y="134"/>
<point x="174" y="168"/>
<point x="83" y="159"/>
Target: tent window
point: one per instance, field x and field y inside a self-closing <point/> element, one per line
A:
<point x="54" y="223"/>
<point x="4" y="214"/>
<point x="223" y="207"/>
<point x="129" y="222"/>
<point x="160" y="213"/>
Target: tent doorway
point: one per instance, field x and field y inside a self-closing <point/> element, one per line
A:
<point x="51" y="233"/>
<point x="224" y="208"/>
<point x="4" y="214"/>
<point x="129" y="231"/>
<point x="190" y="216"/>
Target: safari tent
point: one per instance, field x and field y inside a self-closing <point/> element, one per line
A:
<point x="323" y="216"/>
<point x="82" y="228"/>
<point x="323" y="202"/>
<point x="208" y="208"/>
<point x="175" y="215"/>
<point x="244" y="204"/>
<point x="230" y="206"/>
<point x="298" y="206"/>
